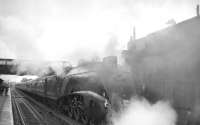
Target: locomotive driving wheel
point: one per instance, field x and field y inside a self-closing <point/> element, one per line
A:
<point x="91" y="122"/>
<point x="66" y="110"/>
<point x="76" y="114"/>
<point x="60" y="105"/>
<point x="70" y="112"/>
<point x="84" y="119"/>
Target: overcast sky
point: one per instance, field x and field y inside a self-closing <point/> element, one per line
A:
<point x="72" y="29"/>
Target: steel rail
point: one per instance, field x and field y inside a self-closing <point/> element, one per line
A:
<point x="18" y="101"/>
<point x="19" y="112"/>
<point x="53" y="112"/>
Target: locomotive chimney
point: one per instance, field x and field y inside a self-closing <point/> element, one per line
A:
<point x="197" y="9"/>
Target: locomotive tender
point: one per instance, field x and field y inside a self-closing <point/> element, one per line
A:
<point x="80" y="96"/>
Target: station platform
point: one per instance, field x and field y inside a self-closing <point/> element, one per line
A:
<point x="6" y="116"/>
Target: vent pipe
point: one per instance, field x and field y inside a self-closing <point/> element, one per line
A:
<point x="134" y="35"/>
<point x="197" y="10"/>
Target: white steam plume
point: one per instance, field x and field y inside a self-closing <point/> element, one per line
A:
<point x="141" y="112"/>
<point x="42" y="68"/>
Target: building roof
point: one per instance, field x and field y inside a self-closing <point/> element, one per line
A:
<point x="186" y="33"/>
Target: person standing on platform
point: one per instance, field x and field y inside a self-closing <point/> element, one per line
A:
<point x="1" y="86"/>
<point x="6" y="87"/>
<point x="1" y="89"/>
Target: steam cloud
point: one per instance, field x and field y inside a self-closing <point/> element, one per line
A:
<point x="42" y="68"/>
<point x="167" y="63"/>
<point x="27" y="26"/>
<point x="111" y="47"/>
<point x="141" y="112"/>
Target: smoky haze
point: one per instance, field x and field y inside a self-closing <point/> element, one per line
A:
<point x="167" y="64"/>
<point x="128" y="106"/>
<point x="55" y="30"/>
<point x="77" y="30"/>
<point x="42" y="68"/>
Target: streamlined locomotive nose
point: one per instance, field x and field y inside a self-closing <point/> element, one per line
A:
<point x="106" y="104"/>
<point x="107" y="107"/>
<point x="108" y="113"/>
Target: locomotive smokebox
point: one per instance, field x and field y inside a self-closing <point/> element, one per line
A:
<point x="110" y="61"/>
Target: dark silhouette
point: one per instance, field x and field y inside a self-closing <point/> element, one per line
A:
<point x="3" y="87"/>
<point x="197" y="9"/>
<point x="6" y="90"/>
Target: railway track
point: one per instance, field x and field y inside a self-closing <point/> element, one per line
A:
<point x="27" y="111"/>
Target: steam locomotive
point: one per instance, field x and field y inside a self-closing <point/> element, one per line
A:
<point x="80" y="96"/>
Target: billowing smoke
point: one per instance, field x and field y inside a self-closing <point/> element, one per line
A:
<point x="81" y="55"/>
<point x="141" y="112"/>
<point x="128" y="107"/>
<point x="167" y="63"/>
<point x="42" y="68"/>
<point x="17" y="39"/>
<point x="111" y="49"/>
